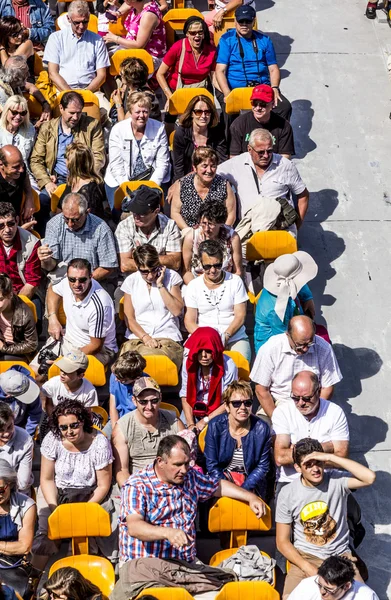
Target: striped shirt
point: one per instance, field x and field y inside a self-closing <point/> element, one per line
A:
<point x="237" y="461"/>
<point x="163" y="505"/>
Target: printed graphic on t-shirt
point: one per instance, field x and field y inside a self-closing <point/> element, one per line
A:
<point x="319" y="526"/>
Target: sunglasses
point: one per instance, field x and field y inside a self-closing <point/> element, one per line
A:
<point x="149" y="271"/>
<point x="258" y="104"/>
<point x="4" y="489"/>
<point x="238" y="403"/>
<point x="198" y="112"/>
<point x="304" y="398"/>
<point x="244" y="22"/>
<point x="302" y="346"/>
<point x="71" y="219"/>
<point x="145" y="402"/>
<point x="22" y="113"/>
<point x="269" y="151"/>
<point x="17" y="33"/>
<point x="194" y="33"/>
<point x="72" y="426"/>
<point x="217" y="266"/>
<point x="77" y="23"/>
<point x="8" y="224"/>
<point x="79" y="279"/>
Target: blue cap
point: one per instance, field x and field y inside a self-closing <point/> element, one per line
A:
<point x="245" y="13"/>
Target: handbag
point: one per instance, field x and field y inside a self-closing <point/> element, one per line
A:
<point x="18" y="573"/>
<point x="180" y="85"/>
<point x="144" y="175"/>
<point x="236" y="477"/>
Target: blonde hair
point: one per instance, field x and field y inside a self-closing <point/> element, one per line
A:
<point x="12" y="103"/>
<point x="239" y="387"/>
<point x="140" y="98"/>
<point x="80" y="163"/>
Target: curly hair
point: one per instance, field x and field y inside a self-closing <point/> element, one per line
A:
<point x="70" y="407"/>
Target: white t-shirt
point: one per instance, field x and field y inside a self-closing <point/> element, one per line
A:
<point x="56" y="390"/>
<point x="330" y="424"/>
<point x="216" y="307"/>
<point x="308" y="590"/>
<point x="92" y="317"/>
<point x="150" y="311"/>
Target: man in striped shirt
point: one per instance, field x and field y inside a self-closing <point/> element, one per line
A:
<point x="159" y="505"/>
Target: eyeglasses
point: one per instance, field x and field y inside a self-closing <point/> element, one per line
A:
<point x="17" y="33"/>
<point x="327" y="590"/>
<point x="244" y="22"/>
<point x="194" y="33"/>
<point x="77" y="23"/>
<point x="302" y="346"/>
<point x="8" y="224"/>
<point x="216" y="266"/>
<point x="145" y="402"/>
<point x="71" y="219"/>
<point x="79" y="279"/>
<point x="269" y="151"/>
<point x="304" y="398"/>
<point x="149" y="271"/>
<point x="258" y="104"/>
<point x="198" y="112"/>
<point x="72" y="426"/>
<point x="22" y="113"/>
<point x="4" y="488"/>
<point x="238" y="403"/>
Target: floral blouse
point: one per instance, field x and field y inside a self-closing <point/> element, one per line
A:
<point x="156" y="45"/>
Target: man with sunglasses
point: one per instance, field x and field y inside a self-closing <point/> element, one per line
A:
<point x="261" y="116"/>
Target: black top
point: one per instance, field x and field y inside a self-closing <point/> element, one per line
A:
<point x="13" y="193"/>
<point x="184" y="147"/>
<point x="94" y="194"/>
<point x="280" y="129"/>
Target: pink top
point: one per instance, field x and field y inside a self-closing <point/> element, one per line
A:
<point x="156" y="45"/>
<point x="6" y="330"/>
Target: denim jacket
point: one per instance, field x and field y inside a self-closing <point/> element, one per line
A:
<point x="220" y="446"/>
<point x="42" y="23"/>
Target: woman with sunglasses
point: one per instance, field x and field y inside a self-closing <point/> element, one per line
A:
<point x="237" y="443"/>
<point x="68" y="583"/>
<point x="203" y="185"/>
<point x="198" y="127"/>
<point x="152" y="306"/>
<point x="16" y="129"/>
<point x="76" y="466"/>
<point x="14" y="41"/>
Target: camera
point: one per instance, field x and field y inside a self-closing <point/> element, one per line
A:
<point x="252" y="83"/>
<point x="45" y="355"/>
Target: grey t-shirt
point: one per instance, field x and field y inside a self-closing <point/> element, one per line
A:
<point x="318" y="515"/>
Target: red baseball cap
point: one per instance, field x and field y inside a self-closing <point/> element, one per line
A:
<point x="263" y="92"/>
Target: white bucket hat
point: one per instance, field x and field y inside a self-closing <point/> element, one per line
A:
<point x="287" y="275"/>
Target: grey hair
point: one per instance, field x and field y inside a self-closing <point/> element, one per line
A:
<point x="79" y="199"/>
<point x="15" y="70"/>
<point x="262" y="135"/>
<point x="8" y="475"/>
<point x="79" y="7"/>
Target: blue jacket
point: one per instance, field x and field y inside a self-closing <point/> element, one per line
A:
<point x="220" y="446"/>
<point x="42" y="23"/>
<point x="26" y="416"/>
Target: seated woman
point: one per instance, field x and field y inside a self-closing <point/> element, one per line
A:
<point x="237" y="443"/>
<point x="134" y="77"/>
<point x="211" y="219"/>
<point x="285" y="293"/>
<point x="68" y="583"/>
<point x="76" y="466"/>
<point x="18" y="334"/>
<point x="198" y="127"/>
<point x="124" y="372"/>
<point x="206" y="372"/>
<point x="152" y="305"/>
<point x="138" y="146"/>
<point x="14" y="41"/>
<point x="137" y="434"/>
<point x="16" y="448"/>
<point x="17" y="524"/>
<point x="202" y="185"/>
<point x="16" y="129"/>
<point x="218" y="299"/>
<point x="83" y="179"/>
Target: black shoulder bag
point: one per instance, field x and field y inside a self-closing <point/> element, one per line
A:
<point x="144" y="175"/>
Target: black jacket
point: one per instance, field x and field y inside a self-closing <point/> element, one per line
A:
<point x="184" y="147"/>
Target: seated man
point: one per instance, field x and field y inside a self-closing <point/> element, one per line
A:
<point x="246" y="58"/>
<point x="286" y="354"/>
<point x="147" y="225"/>
<point x="19" y="390"/>
<point x="312" y="511"/>
<point x="89" y="311"/>
<point x="137" y="434"/>
<point x="77" y="234"/>
<point x="16" y="447"/>
<point x="159" y="505"/>
<point x="47" y="161"/>
<point x="18" y="253"/>
<point x="262" y="116"/>
<point x="77" y="58"/>
<point x="127" y="368"/>
<point x="259" y="174"/>
<point x="15" y="182"/>
<point x="334" y="581"/>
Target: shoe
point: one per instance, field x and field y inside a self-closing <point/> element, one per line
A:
<point x="370" y="13"/>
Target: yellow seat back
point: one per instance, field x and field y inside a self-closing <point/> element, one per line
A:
<point x="120" y="55"/>
<point x="175" y="19"/>
<point x="171" y="140"/>
<point x="248" y="590"/>
<point x="95" y="372"/>
<point x="238" y="518"/>
<point x="55" y="197"/>
<point x="37" y="203"/>
<point x="238" y="99"/>
<point x="91" y="103"/>
<point x="269" y="245"/>
<point x="118" y="28"/>
<point x="121" y="192"/>
<point x="96" y="569"/>
<point x="201" y="439"/>
<point x="181" y="98"/>
<point x="161" y="369"/>
<point x="7" y="364"/>
<point x="79" y="521"/>
<point x="241" y="362"/>
<point x="228" y="23"/>
<point x="171" y="407"/>
<point x="38" y="65"/>
<point x="30" y="304"/>
<point x="99" y="410"/>
<point x="218" y="558"/>
<point x="167" y="593"/>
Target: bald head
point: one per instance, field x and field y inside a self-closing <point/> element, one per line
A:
<point x="305" y="392"/>
<point x="11" y="163"/>
<point x="301" y="332"/>
<point x="10" y="153"/>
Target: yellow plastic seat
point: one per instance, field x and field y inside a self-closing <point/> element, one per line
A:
<point x="248" y="590"/>
<point x="168" y="406"/>
<point x="99" y="410"/>
<point x="18" y="596"/>
<point x="167" y="593"/>
<point x="7" y="364"/>
<point x="118" y="28"/>
<point x="92" y="23"/>
<point x="119" y="56"/>
<point x="161" y="369"/>
<point x="171" y="140"/>
<point x="37" y="204"/>
<point x="35" y="108"/>
<point x="93" y="568"/>
<point x="61" y="314"/>
<point x="201" y="440"/>
<point x="175" y="19"/>
<point x="241" y="362"/>
<point x="31" y="305"/>
<point x="55" y="197"/>
<point x="38" y="65"/>
<point x="95" y="372"/>
<point x="181" y="98"/>
<point x="228" y="23"/>
<point x="121" y="192"/>
<point x="269" y="245"/>
<point x="238" y="99"/>
<point x="91" y="103"/>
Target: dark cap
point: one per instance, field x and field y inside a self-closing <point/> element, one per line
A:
<point x="245" y="13"/>
<point x="144" y="199"/>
